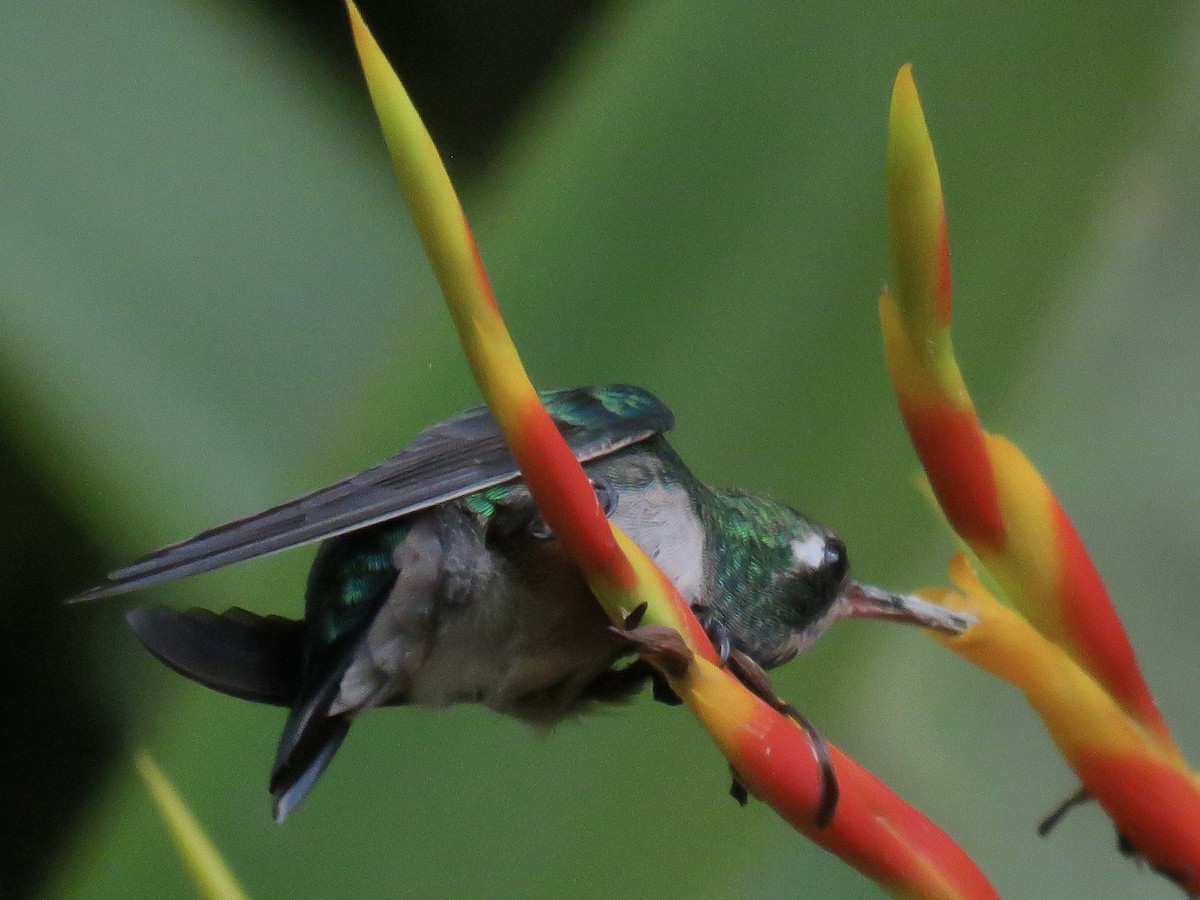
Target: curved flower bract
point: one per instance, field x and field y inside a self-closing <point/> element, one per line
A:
<point x="1064" y="646"/>
<point x="872" y="828"/>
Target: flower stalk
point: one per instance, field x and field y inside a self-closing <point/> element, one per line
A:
<point x="871" y="828"/>
<point x="1062" y="643"/>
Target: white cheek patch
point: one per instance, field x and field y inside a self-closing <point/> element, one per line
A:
<point x="810" y="552"/>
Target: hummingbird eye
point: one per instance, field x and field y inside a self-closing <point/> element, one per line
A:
<point x="836" y="562"/>
<point x="821" y="560"/>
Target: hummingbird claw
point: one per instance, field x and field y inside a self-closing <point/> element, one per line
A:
<point x="754" y="677"/>
<point x="634" y="619"/>
<point x="641" y="669"/>
<point x="539" y="530"/>
<point x="605" y="496"/>
<point x="1078" y="798"/>
<point x="830" y="791"/>
<point x="718" y="633"/>
<point x="660" y="645"/>
<point x="737" y="788"/>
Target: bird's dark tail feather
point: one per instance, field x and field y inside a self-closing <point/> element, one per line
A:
<point x="236" y="652"/>
<point x="310" y="738"/>
<point x="259" y="658"/>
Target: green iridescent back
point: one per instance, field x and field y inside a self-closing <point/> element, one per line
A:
<point x="349" y="578"/>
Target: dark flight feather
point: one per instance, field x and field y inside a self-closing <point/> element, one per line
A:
<point x="457" y="457"/>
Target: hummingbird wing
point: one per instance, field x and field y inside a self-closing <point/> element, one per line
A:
<point x="452" y="459"/>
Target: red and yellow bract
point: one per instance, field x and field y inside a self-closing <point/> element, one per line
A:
<point x="872" y="829"/>
<point x="1066" y="649"/>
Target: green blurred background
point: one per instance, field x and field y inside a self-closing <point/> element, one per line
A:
<point x="211" y="300"/>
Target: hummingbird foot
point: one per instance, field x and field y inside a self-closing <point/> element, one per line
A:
<point x="754" y="677"/>
<point x="660" y="645"/>
<point x="521" y="512"/>
<point x="1128" y="849"/>
<point x="1125" y="846"/>
<point x="716" y="630"/>
<point x="737" y="788"/>
<point x="1078" y="798"/>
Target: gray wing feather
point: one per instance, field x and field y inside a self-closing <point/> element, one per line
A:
<point x="457" y="457"/>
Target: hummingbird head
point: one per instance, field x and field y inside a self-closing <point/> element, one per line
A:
<point x="820" y="568"/>
<point x="824" y="591"/>
<point x="783" y="579"/>
<point x="813" y="579"/>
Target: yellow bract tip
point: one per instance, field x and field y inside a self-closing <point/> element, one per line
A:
<point x="210" y="874"/>
<point x="904" y="90"/>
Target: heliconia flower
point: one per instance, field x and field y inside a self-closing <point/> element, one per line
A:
<point x="872" y="828"/>
<point x="1066" y="649"/>
<point x="211" y="876"/>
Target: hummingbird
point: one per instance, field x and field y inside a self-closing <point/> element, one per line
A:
<point x="437" y="582"/>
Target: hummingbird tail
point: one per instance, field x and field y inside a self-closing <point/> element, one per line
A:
<point x="290" y="783"/>
<point x="240" y="653"/>
<point x="310" y="738"/>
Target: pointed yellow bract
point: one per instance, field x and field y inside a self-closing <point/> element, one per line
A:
<point x="210" y="874"/>
<point x="1066" y="648"/>
<point x="442" y="228"/>
<point x="917" y="229"/>
<point x="489" y="349"/>
<point x="993" y="496"/>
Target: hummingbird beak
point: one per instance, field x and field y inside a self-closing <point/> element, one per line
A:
<point x="862" y="601"/>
